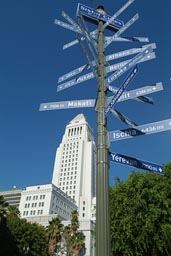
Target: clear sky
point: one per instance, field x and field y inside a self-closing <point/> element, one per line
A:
<point x="32" y="59"/>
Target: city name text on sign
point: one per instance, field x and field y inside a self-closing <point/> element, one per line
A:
<point x="145" y="129"/>
<point x="138" y="163"/>
<point x="122" y="88"/>
<point x="120" y="67"/>
<point x="91" y="102"/>
<point x="67" y="104"/>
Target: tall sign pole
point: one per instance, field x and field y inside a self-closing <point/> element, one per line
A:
<point x="100" y="66"/>
<point x="102" y="167"/>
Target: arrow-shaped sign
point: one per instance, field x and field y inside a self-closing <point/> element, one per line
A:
<point x="119" y="68"/>
<point x="121" y="30"/>
<point x="67" y="104"/>
<point x="110" y="57"/>
<point x="121" y="89"/>
<point x="123" y="118"/>
<point x="108" y="23"/>
<point x="129" y="39"/>
<point x="67" y="26"/>
<point x="135" y="162"/>
<point x="145" y="129"/>
<point x="130" y="64"/>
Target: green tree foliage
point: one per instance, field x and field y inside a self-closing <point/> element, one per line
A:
<point x="30" y="238"/>
<point x="141" y="215"/>
<point x="7" y="243"/>
<point x="19" y="237"/>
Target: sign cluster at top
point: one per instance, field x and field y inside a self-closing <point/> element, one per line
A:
<point x="79" y="75"/>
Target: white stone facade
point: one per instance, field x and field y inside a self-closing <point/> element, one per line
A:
<point x="45" y="200"/>
<point x="74" y="168"/>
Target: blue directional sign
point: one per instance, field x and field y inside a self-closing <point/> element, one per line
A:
<point x="122" y="89"/>
<point x="138" y="163"/>
<point x="123" y="118"/>
<point x="145" y="129"/>
<point x="94" y="16"/>
<point x="67" y="104"/>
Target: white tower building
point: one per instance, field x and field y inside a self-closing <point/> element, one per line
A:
<point x="74" y="168"/>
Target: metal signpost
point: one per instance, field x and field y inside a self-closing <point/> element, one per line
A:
<point x="100" y="67"/>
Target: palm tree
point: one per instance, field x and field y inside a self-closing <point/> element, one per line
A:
<point x="74" y="221"/>
<point x="78" y="243"/>
<point x="74" y="239"/>
<point x="13" y="211"/>
<point x="54" y="231"/>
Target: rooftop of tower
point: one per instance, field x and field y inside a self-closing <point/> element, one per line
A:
<point x="78" y="118"/>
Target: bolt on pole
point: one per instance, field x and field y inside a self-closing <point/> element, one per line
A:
<point x="103" y="242"/>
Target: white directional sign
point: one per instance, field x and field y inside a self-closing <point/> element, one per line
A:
<point x="108" y="24"/>
<point x="138" y="163"/>
<point x="122" y="64"/>
<point x="130" y="64"/>
<point x="134" y="94"/>
<point x="125" y="6"/>
<point x="121" y="89"/>
<point x="145" y="129"/>
<point x="70" y="20"/>
<point x="67" y="104"/>
<point x="129" y="39"/>
<point x="121" y="30"/>
<point x="120" y="39"/>
<point x="67" y="26"/>
<point x="91" y="102"/>
<point x="120" y="67"/>
<point x="110" y="57"/>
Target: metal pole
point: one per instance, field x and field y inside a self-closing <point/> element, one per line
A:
<point x="102" y="167"/>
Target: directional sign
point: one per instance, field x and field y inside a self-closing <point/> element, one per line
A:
<point x="145" y="129"/>
<point x="94" y="16"/>
<point x="123" y="118"/>
<point x="67" y="104"/>
<point x="107" y="24"/>
<point x="67" y="26"/>
<point x="122" y="64"/>
<point x="120" y="39"/>
<point x="129" y="39"/>
<point x="138" y="163"/>
<point x="69" y="19"/>
<point x="91" y="102"/>
<point x="120" y="67"/>
<point x="121" y="30"/>
<point x="118" y="13"/>
<point x="121" y="89"/>
<point x="110" y="57"/>
<point x="134" y="94"/>
<point x="130" y="64"/>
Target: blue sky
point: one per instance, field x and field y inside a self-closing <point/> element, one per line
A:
<point x="31" y="61"/>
